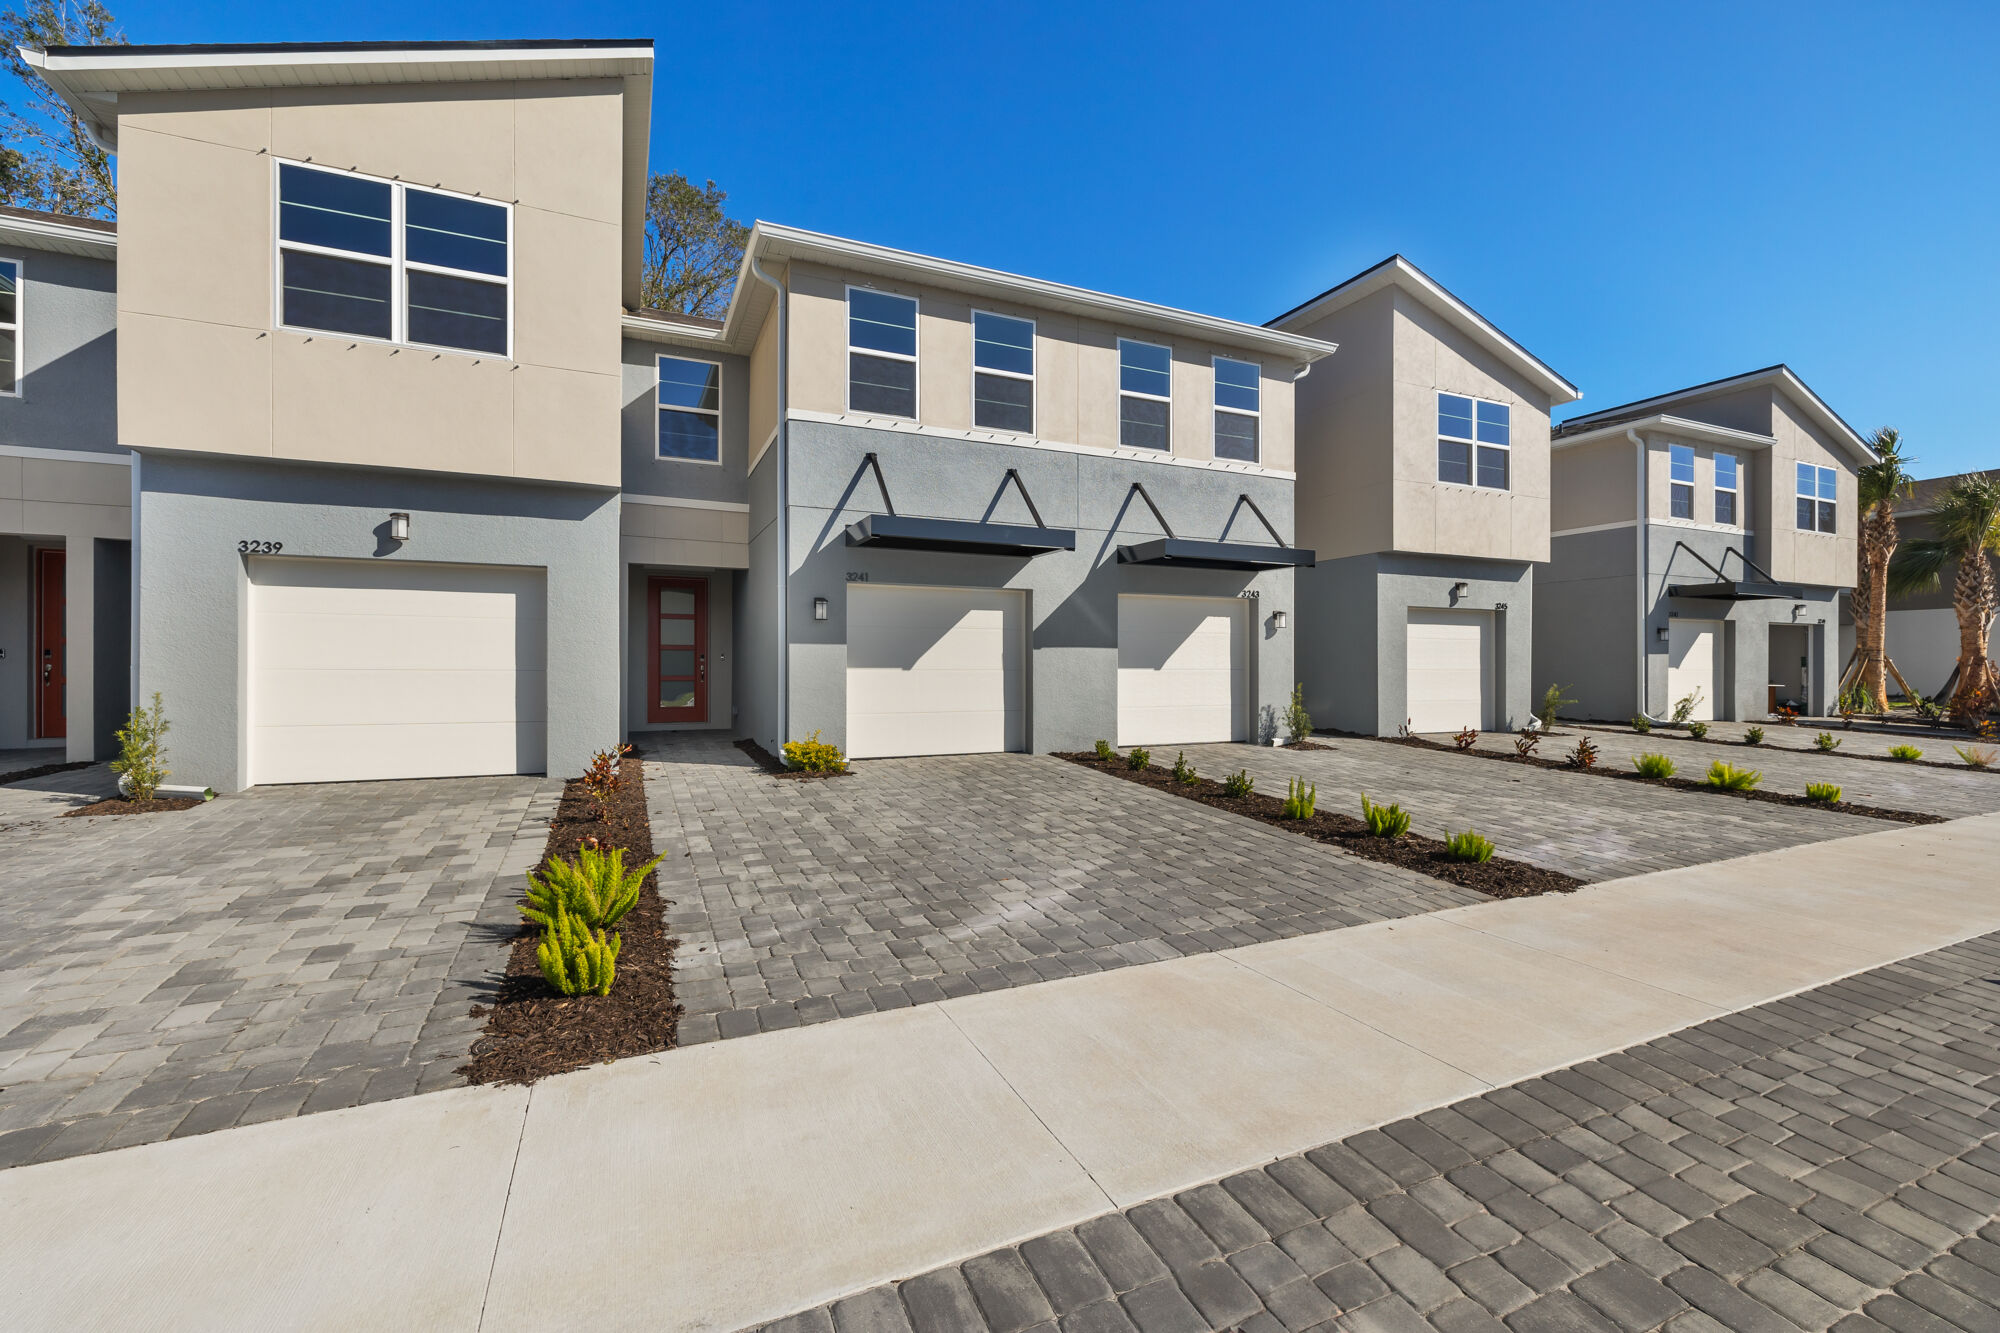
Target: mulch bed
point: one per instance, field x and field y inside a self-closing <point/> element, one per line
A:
<point x="1604" y="768"/>
<point x="775" y="766"/>
<point x="1957" y="766"/>
<point x="1497" y="878"/>
<point x="41" y="771"/>
<point x="118" y="805"/>
<point x="533" y="1032"/>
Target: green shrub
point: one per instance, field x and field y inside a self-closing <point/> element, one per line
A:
<point x="1299" y="799"/>
<point x="1105" y="752"/>
<point x="1468" y="846"/>
<point x="1641" y="723"/>
<point x="1728" y="777"/>
<point x="595" y="888"/>
<point x="1138" y="759"/>
<point x="1978" y="756"/>
<point x="1239" y="783"/>
<point x="142" y="752"/>
<point x="812" y="755"/>
<point x="1753" y="735"/>
<point x="1553" y="702"/>
<point x="577" y="960"/>
<point x="1698" y="730"/>
<point x="1384" y="821"/>
<point x="1653" y="765"/>
<point x="1684" y="706"/>
<point x="1184" y="771"/>
<point x="1298" y="722"/>
<point x="1907" y="754"/>
<point x="1826" y="742"/>
<point x="1825" y="792"/>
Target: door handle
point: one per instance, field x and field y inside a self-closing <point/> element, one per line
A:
<point x="701" y="666"/>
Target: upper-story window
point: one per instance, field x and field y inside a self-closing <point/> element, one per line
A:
<point x="1728" y="491"/>
<point x="10" y="327"/>
<point x="1003" y="372"/>
<point x="1816" y="498"/>
<point x="881" y="353"/>
<point x="1474" y="441"/>
<point x="1237" y="399"/>
<point x="1680" y="481"/>
<point x="1145" y="395"/>
<point x="380" y="259"/>
<point x="690" y="398"/>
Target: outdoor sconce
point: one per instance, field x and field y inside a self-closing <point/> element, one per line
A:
<point x="1459" y="590"/>
<point x="1279" y="620"/>
<point x="819" y="608"/>
<point x="399" y="527"/>
<point x="1798" y="610"/>
<point x="1662" y="633"/>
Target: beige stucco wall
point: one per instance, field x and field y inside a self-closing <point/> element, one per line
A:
<point x="1345" y="486"/>
<point x="1752" y="500"/>
<point x="1591" y="485"/>
<point x="1807" y="557"/>
<point x="652" y="534"/>
<point x="202" y="365"/>
<point x="54" y="497"/>
<point x="1076" y="368"/>
<point x="763" y="414"/>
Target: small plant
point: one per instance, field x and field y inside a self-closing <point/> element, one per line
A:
<point x="1753" y="735"/>
<point x="575" y="959"/>
<point x="142" y="752"/>
<point x="1653" y="765"/>
<point x="1826" y="793"/>
<point x="1698" y="730"/>
<point x="813" y="755"/>
<point x="1298" y="722"/>
<point x="1299" y="799"/>
<point x="1468" y="846"/>
<point x="1384" y="821"/>
<point x="1403" y="729"/>
<point x="1856" y="698"/>
<point x="1905" y="754"/>
<point x="1239" y="784"/>
<point x="1826" y="742"/>
<point x="1584" y="756"/>
<point x="1553" y="702"/>
<point x="1105" y="753"/>
<point x="595" y="888"/>
<point x="1930" y="710"/>
<point x="1788" y="715"/>
<point x="1728" y="777"/>
<point x="1641" y="723"/>
<point x="1466" y="739"/>
<point x="1138" y="759"/>
<point x="1525" y="741"/>
<point x="1184" y="773"/>
<point x="1978" y="756"/>
<point x="1685" y="705"/>
<point x="603" y="778"/>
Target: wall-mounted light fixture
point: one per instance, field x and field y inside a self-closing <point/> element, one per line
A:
<point x="819" y="608"/>
<point x="1798" y="609"/>
<point x="1662" y="633"/>
<point x="1279" y="620"/>
<point x="399" y="527"/>
<point x="1459" y="590"/>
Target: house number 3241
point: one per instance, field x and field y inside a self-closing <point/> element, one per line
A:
<point x="260" y="548"/>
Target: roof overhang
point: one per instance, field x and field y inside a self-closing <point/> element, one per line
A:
<point x="1190" y="554"/>
<point x="901" y="532"/>
<point x="1661" y="423"/>
<point x="1779" y="376"/>
<point x="674" y="330"/>
<point x="1396" y="271"/>
<point x="1738" y="590"/>
<point x="60" y="235"/>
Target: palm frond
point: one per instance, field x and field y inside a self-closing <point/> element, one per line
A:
<point x="1889" y="476"/>
<point x="1967" y="518"/>
<point x="1918" y="566"/>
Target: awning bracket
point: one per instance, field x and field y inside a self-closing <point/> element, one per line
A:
<point x="873" y="463"/>
<point x="1158" y="517"/>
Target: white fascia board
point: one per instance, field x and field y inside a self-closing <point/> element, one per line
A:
<point x="1663" y="424"/>
<point x="64" y="237"/>
<point x="1779" y="375"/>
<point x="419" y="62"/>
<point x="677" y="335"/>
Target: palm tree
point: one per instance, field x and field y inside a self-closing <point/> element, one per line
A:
<point x="1967" y="522"/>
<point x="1883" y="482"/>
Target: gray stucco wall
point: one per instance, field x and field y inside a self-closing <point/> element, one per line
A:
<point x="69" y="354"/>
<point x="17" y="700"/>
<point x="756" y="677"/>
<point x="645" y="472"/>
<point x="111" y="641"/>
<point x="193" y="585"/>
<point x="1584" y="635"/>
<point x="1073" y="596"/>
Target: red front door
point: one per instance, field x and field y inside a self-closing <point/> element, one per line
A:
<point x="51" y="662"/>
<point x="679" y="660"/>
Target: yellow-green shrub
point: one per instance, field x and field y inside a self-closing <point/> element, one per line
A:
<point x="575" y="959"/>
<point x="595" y="887"/>
<point x="813" y="755"/>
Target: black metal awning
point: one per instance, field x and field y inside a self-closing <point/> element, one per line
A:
<point x="1737" y="590"/>
<point x="903" y="533"/>
<point x="1190" y="554"/>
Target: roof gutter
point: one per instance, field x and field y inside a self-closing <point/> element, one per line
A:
<point x="784" y="653"/>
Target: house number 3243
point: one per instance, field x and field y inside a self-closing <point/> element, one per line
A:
<point x="260" y="548"/>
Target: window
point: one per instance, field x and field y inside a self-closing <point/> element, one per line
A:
<point x="690" y="400"/>
<point x="1237" y="386"/>
<point x="1145" y="395"/>
<point x="1680" y="481"/>
<point x="881" y="353"/>
<point x="1003" y="374"/>
<point x="1728" y="490"/>
<point x="1473" y="441"/>
<point x="1816" y="498"/>
<point x="378" y="259"/>
<point x="10" y="327"/>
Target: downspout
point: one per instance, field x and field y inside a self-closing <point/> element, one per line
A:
<point x="1643" y="562"/>
<point x="784" y="729"/>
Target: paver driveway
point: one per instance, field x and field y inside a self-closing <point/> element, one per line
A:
<point x="1590" y="827"/>
<point x="916" y="879"/>
<point x="288" y="950"/>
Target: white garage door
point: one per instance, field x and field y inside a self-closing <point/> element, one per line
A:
<point x="1183" y="670"/>
<point x="1694" y="651"/>
<point x="1448" y="666"/>
<point x="368" y="671"/>
<point x="935" y="670"/>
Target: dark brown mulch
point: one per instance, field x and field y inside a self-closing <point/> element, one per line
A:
<point x="1304" y="745"/>
<point x="533" y="1032"/>
<point x="118" y="805"/>
<point x="1956" y="766"/>
<point x="775" y="766"/>
<point x="1497" y="878"/>
<point x="1605" y="769"/>
<point x="42" y="771"/>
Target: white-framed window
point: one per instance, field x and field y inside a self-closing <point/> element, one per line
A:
<point x="1816" y="493"/>
<point x="1728" y="491"/>
<point x="881" y="353"/>
<point x="1145" y="395"/>
<point x="689" y="396"/>
<point x="10" y="328"/>
<point x="1475" y="441"/>
<point x="1003" y="372"/>
<point x="1238" y="399"/>
<point x="370" y="258"/>
<point x="1680" y="481"/>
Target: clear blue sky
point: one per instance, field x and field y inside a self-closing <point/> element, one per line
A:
<point x="1645" y="196"/>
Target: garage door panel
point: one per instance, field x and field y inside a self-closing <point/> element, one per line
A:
<point x="882" y="735"/>
<point x="887" y="691"/>
<point x="935" y="670"/>
<point x="385" y="751"/>
<point x="975" y="642"/>
<point x="1183" y="670"/>
<point x="1694" y="651"/>
<point x="391" y="643"/>
<point x="347" y="697"/>
<point x="1448" y="669"/>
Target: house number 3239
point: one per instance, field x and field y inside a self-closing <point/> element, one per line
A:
<point x="260" y="548"/>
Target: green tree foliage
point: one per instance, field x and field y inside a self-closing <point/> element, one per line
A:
<point x="693" y="247"/>
<point x="49" y="161"/>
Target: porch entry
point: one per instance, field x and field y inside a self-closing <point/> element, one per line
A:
<point x="51" y="659"/>
<point x="678" y="663"/>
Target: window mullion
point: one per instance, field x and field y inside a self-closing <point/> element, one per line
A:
<point x="399" y="316"/>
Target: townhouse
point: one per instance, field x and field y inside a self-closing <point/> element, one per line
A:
<point x="417" y="489"/>
<point x="1701" y="542"/>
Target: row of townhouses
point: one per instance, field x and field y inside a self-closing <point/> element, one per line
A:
<point x="353" y="441"/>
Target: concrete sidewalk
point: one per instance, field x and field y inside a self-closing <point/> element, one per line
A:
<point x="719" y="1186"/>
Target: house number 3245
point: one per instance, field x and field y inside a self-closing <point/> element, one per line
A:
<point x="260" y="548"/>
